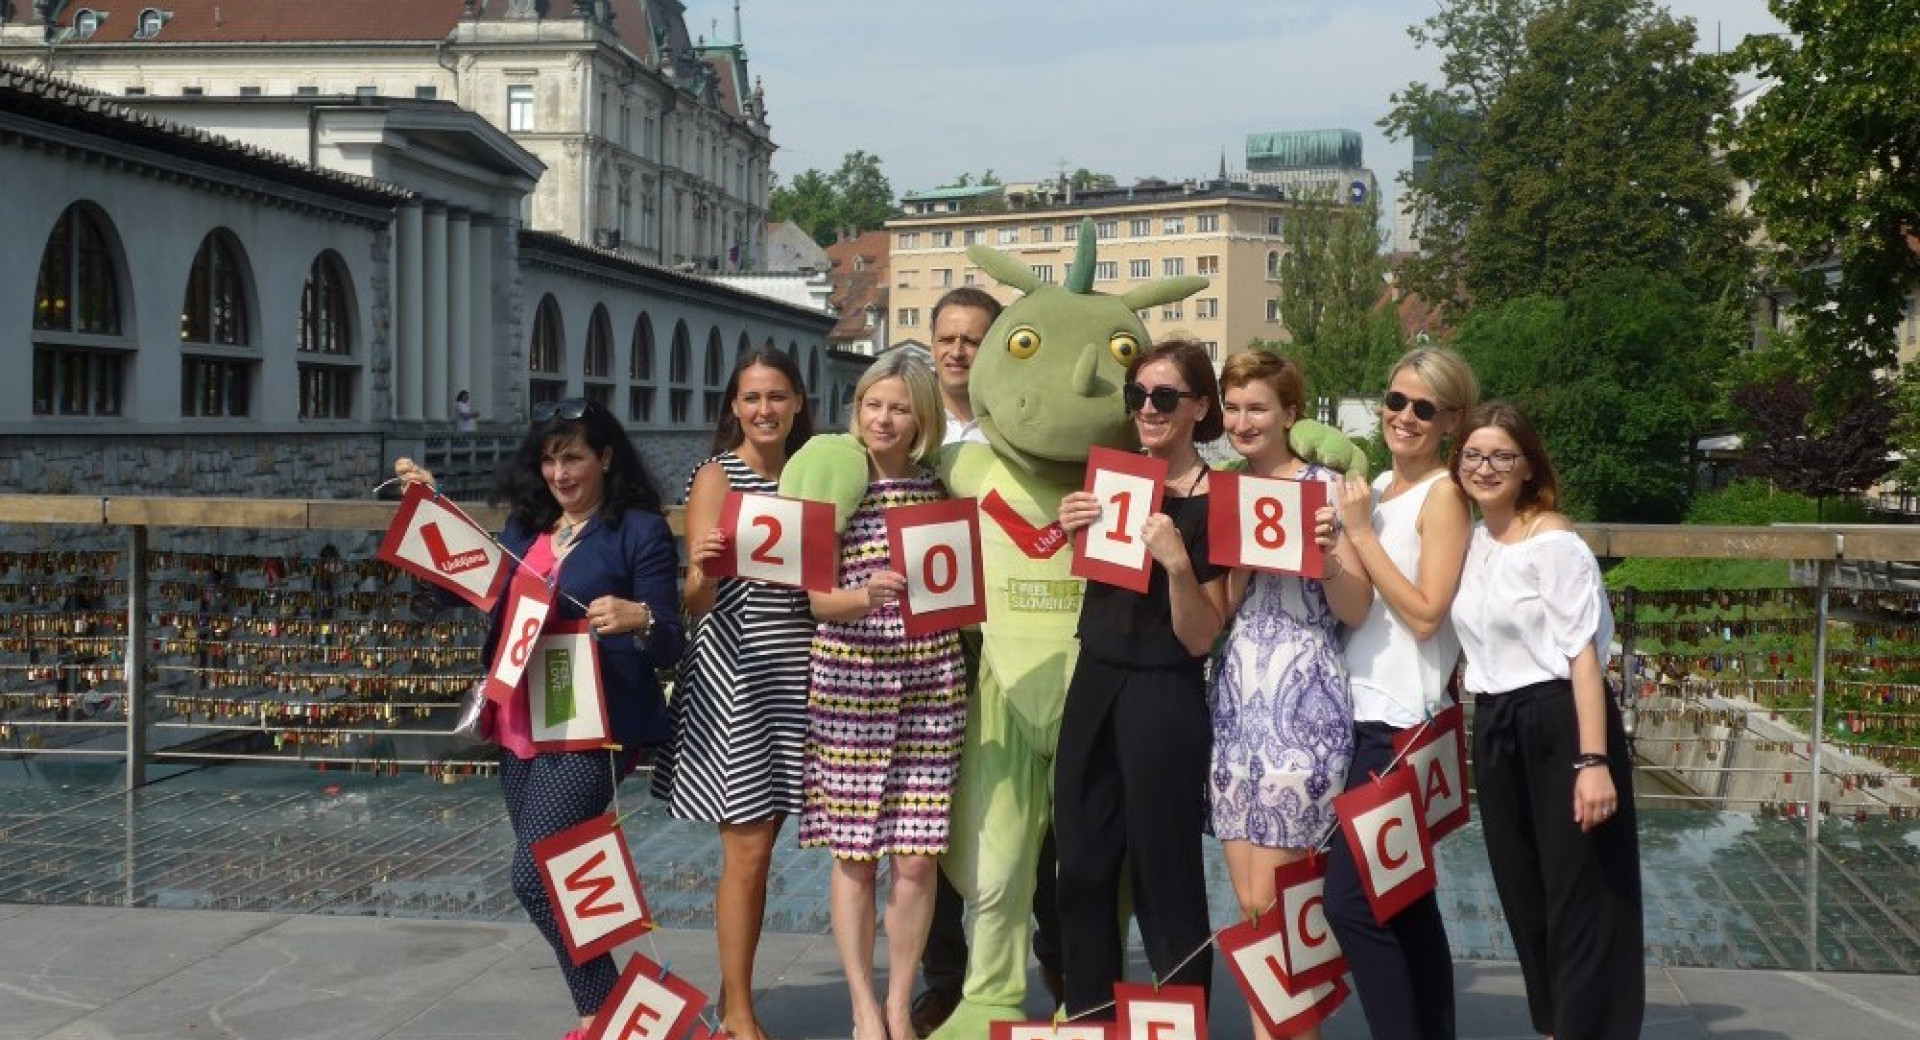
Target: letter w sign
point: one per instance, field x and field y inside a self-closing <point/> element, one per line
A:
<point x="596" y="894"/>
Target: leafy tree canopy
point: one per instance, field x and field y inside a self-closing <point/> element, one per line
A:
<point x="1332" y="289"/>
<point x="1822" y="461"/>
<point x="856" y="196"/>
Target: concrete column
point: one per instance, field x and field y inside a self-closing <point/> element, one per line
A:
<point x="486" y="236"/>
<point x="409" y="392"/>
<point x="433" y="236"/>
<point x="460" y="293"/>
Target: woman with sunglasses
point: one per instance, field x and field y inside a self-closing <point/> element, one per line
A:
<point x="740" y="706"/>
<point x="1130" y="774"/>
<point x="1550" y="763"/>
<point x="1282" y="712"/>
<point x="584" y="512"/>
<point x="1410" y="533"/>
<point x="887" y="710"/>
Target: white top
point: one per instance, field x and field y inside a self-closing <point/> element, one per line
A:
<point x="1398" y="679"/>
<point x="1525" y="610"/>
<point x="963" y="430"/>
<point x="463" y="417"/>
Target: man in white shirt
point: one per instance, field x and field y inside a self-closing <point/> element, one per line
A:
<point x="960" y="321"/>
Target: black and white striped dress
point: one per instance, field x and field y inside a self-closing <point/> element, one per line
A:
<point x="740" y="707"/>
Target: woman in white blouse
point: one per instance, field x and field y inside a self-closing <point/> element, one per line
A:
<point x="1549" y="755"/>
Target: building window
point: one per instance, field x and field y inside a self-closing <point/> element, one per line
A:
<point x="1173" y="226"/>
<point x="1273" y="309"/>
<point x="716" y="373"/>
<point x="136" y="92"/>
<point x="1173" y="265"/>
<point x="1106" y="270"/>
<point x="1277" y="225"/>
<point x="215" y="311"/>
<point x="1069" y="232"/>
<point x="971" y="276"/>
<point x="193" y="91"/>
<point x="77" y="369"/>
<point x="1040" y="233"/>
<point x="1171" y="312"/>
<point x="545" y="383"/>
<point x="151" y="22"/>
<point x="640" y="372"/>
<point x="249" y="91"/>
<point x="973" y="236"/>
<point x="520" y="107"/>
<point x="1140" y="227"/>
<point x="1273" y="265"/>
<point x="596" y="362"/>
<point x="1106" y="229"/>
<point x="365" y="91"/>
<point x="1007" y="236"/>
<point x="1140" y="269"/>
<point x="306" y="91"/>
<point x="909" y="239"/>
<point x="86" y="22"/>
<point x="425" y="93"/>
<point x="943" y="277"/>
<point x="1044" y="272"/>
<point x="909" y="317"/>
<point x="1213" y="348"/>
<point x="906" y="278"/>
<point x="1206" y="307"/>
<point x="212" y="387"/>
<point x="325" y="343"/>
<point x="1207" y="223"/>
<point x="943" y="239"/>
<point x="679" y="368"/>
<point x="1206" y="265"/>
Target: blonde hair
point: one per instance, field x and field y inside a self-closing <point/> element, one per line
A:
<point x="1449" y="376"/>
<point x="929" y="417"/>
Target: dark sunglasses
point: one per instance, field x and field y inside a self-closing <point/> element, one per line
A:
<point x="1164" y="398"/>
<point x="1423" y="409"/>
<point x="568" y="409"/>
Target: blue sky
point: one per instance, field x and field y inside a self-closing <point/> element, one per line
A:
<point x="1134" y="88"/>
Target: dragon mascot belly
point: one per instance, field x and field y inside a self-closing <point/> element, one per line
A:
<point x="1045" y="388"/>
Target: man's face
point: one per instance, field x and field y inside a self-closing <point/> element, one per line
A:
<point x="956" y="338"/>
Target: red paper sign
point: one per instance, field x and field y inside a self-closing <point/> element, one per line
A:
<point x="1159" y="1013"/>
<point x="1265" y="523"/>
<point x="1129" y="487"/>
<point x="936" y="545"/>
<point x="781" y="541"/>
<point x="435" y="542"/>
<point x="1436" y="754"/>
<point x="1387" y="833"/>
<point x="1051" y="1031"/>
<point x="648" y="1004"/>
<point x="566" y="703"/>
<point x="591" y="882"/>
<point x="526" y="617"/>
<point x="1285" y="1006"/>
<point x="1312" y="953"/>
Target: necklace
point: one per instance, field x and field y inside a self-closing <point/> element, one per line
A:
<point x="564" y="535"/>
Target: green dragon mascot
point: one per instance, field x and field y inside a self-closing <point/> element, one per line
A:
<point x="1045" y="388"/>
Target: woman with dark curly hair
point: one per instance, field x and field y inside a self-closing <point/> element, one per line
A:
<point x="583" y="510"/>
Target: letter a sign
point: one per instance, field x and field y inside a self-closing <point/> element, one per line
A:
<point x="648" y="1004"/>
<point x="595" y="893"/>
<point x="1436" y="754"/>
<point x="435" y="542"/>
<point x="1387" y="833"/>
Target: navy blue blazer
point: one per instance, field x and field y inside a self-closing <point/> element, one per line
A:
<point x="638" y="561"/>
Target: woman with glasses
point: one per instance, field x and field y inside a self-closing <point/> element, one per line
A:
<point x="740" y="706"/>
<point x="1410" y="533"/>
<point x="1555" y="783"/>
<point x="1130" y="774"/>
<point x="584" y="512"/>
<point x="887" y="710"/>
<point x="1282" y="712"/>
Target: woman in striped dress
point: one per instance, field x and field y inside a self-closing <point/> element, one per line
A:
<point x="740" y="710"/>
<point x="886" y="712"/>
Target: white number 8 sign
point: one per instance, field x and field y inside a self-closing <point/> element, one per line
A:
<point x="1265" y="524"/>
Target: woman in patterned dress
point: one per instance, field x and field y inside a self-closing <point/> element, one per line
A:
<point x="740" y="710"/>
<point x="886" y="712"/>
<point x="1282" y="711"/>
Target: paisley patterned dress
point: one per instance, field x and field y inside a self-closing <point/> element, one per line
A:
<point x="1282" y="714"/>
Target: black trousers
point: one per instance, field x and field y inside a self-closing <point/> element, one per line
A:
<point x="1572" y="900"/>
<point x="1402" y="970"/>
<point x="944" y="962"/>
<point x="1130" y="785"/>
<point x="545" y="795"/>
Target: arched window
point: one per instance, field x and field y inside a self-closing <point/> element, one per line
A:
<point x="741" y="349"/>
<point x="543" y="354"/>
<point x="679" y="367"/>
<point x="328" y="370"/>
<point x="813" y="370"/>
<point x="716" y="380"/>
<point x="80" y="356"/>
<point x="640" y="372"/>
<point x="217" y="362"/>
<point x="596" y="367"/>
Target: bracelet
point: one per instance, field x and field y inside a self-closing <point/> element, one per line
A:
<point x="1584" y="761"/>
<point x="640" y="637"/>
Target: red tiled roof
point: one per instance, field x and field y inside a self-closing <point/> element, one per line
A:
<point x="857" y="287"/>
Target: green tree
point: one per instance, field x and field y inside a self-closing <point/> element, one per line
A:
<point x="1570" y="138"/>
<point x="1612" y="375"/>
<point x="1832" y="146"/>
<point x="1332" y="284"/>
<point x="856" y="196"/>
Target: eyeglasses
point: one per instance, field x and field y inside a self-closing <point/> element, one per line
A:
<point x="1501" y="461"/>
<point x="1423" y="409"/>
<point x="1164" y="398"/>
<point x="567" y="410"/>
